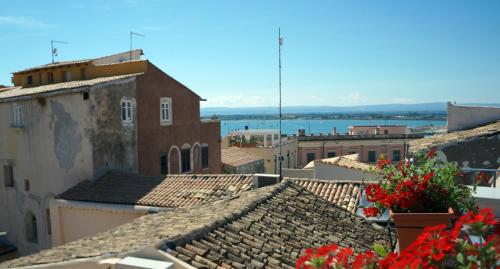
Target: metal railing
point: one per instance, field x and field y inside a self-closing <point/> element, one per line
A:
<point x="488" y="171"/>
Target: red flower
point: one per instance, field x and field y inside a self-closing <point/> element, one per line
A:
<point x="382" y="163"/>
<point x="431" y="154"/>
<point x="482" y="176"/>
<point x="374" y="192"/>
<point x="371" y="211"/>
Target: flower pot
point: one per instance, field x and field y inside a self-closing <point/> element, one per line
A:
<point x="410" y="225"/>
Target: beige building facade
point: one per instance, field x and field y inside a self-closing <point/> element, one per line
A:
<point x="57" y="131"/>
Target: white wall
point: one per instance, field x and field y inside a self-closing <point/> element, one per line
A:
<point x="466" y="117"/>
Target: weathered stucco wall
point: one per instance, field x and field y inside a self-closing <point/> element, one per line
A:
<point x="65" y="139"/>
<point x="466" y="117"/>
<point x="114" y="143"/>
<point x="52" y="151"/>
<point x="249" y="168"/>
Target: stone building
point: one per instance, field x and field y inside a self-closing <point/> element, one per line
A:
<point x="66" y="122"/>
<point x="369" y="145"/>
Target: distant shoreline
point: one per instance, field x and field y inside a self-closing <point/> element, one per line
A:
<point x="336" y="116"/>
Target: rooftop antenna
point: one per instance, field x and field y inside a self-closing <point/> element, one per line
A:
<point x="280" y="43"/>
<point x="54" y="50"/>
<point x="131" y="35"/>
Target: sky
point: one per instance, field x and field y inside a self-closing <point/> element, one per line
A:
<point x="338" y="53"/>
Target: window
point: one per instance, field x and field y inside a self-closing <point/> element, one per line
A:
<point x="165" y="111"/>
<point x="17" y="115"/>
<point x="31" y="228"/>
<point x="26" y="185"/>
<point x="396" y="155"/>
<point x="386" y="131"/>
<point x="69" y="76"/>
<point x="186" y="160"/>
<point x="47" y="219"/>
<point x="126" y="111"/>
<point x="63" y="76"/>
<point x="50" y="77"/>
<point x="372" y="156"/>
<point x="331" y="154"/>
<point x="163" y="164"/>
<point x="83" y="74"/>
<point x="311" y="156"/>
<point x="204" y="156"/>
<point x="29" y="80"/>
<point x="8" y="175"/>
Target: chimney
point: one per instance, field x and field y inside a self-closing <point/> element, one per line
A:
<point x="263" y="180"/>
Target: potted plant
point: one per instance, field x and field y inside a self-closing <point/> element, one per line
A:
<point x="417" y="194"/>
<point x="461" y="247"/>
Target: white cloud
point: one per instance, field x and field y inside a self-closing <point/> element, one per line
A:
<point x="238" y="101"/>
<point x="23" y="21"/>
<point x="354" y="98"/>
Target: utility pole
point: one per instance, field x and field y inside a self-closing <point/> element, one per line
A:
<point x="130" y="51"/>
<point x="280" y="43"/>
<point x="53" y="50"/>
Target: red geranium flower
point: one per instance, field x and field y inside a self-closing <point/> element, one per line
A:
<point x="371" y="211"/>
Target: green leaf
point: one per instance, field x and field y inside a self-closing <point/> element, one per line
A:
<point x="380" y="250"/>
<point x="460" y="258"/>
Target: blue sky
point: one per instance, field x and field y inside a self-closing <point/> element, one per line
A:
<point x="334" y="53"/>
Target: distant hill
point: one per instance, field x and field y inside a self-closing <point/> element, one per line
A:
<point x="389" y="108"/>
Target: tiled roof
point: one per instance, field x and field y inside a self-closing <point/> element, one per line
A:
<point x="275" y="233"/>
<point x="444" y="140"/>
<point x="354" y="157"/>
<point x="171" y="191"/>
<point x="56" y="64"/>
<point x="235" y="156"/>
<point x="347" y="161"/>
<point x="342" y="193"/>
<point x="269" y="226"/>
<point x="18" y="92"/>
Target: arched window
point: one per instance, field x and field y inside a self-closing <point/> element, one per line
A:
<point x="186" y="158"/>
<point x="31" y="227"/>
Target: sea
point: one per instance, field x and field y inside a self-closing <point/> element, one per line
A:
<point x="316" y="126"/>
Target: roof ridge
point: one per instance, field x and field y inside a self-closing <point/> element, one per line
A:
<point x="228" y="217"/>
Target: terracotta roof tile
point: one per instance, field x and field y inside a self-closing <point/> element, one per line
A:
<point x="348" y="161"/>
<point x="172" y="191"/>
<point x="342" y="193"/>
<point x="56" y="64"/>
<point x="18" y="92"/>
<point x="276" y="232"/>
<point x="444" y="140"/>
<point x="235" y="156"/>
<point x="269" y="226"/>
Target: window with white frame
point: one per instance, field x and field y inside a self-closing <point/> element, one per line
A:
<point x="17" y="115"/>
<point x="126" y="111"/>
<point x="165" y="111"/>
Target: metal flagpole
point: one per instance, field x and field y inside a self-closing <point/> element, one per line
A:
<point x="280" y="42"/>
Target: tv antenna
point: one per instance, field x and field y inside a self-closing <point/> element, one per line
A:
<point x="131" y="35"/>
<point x="54" y="50"/>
